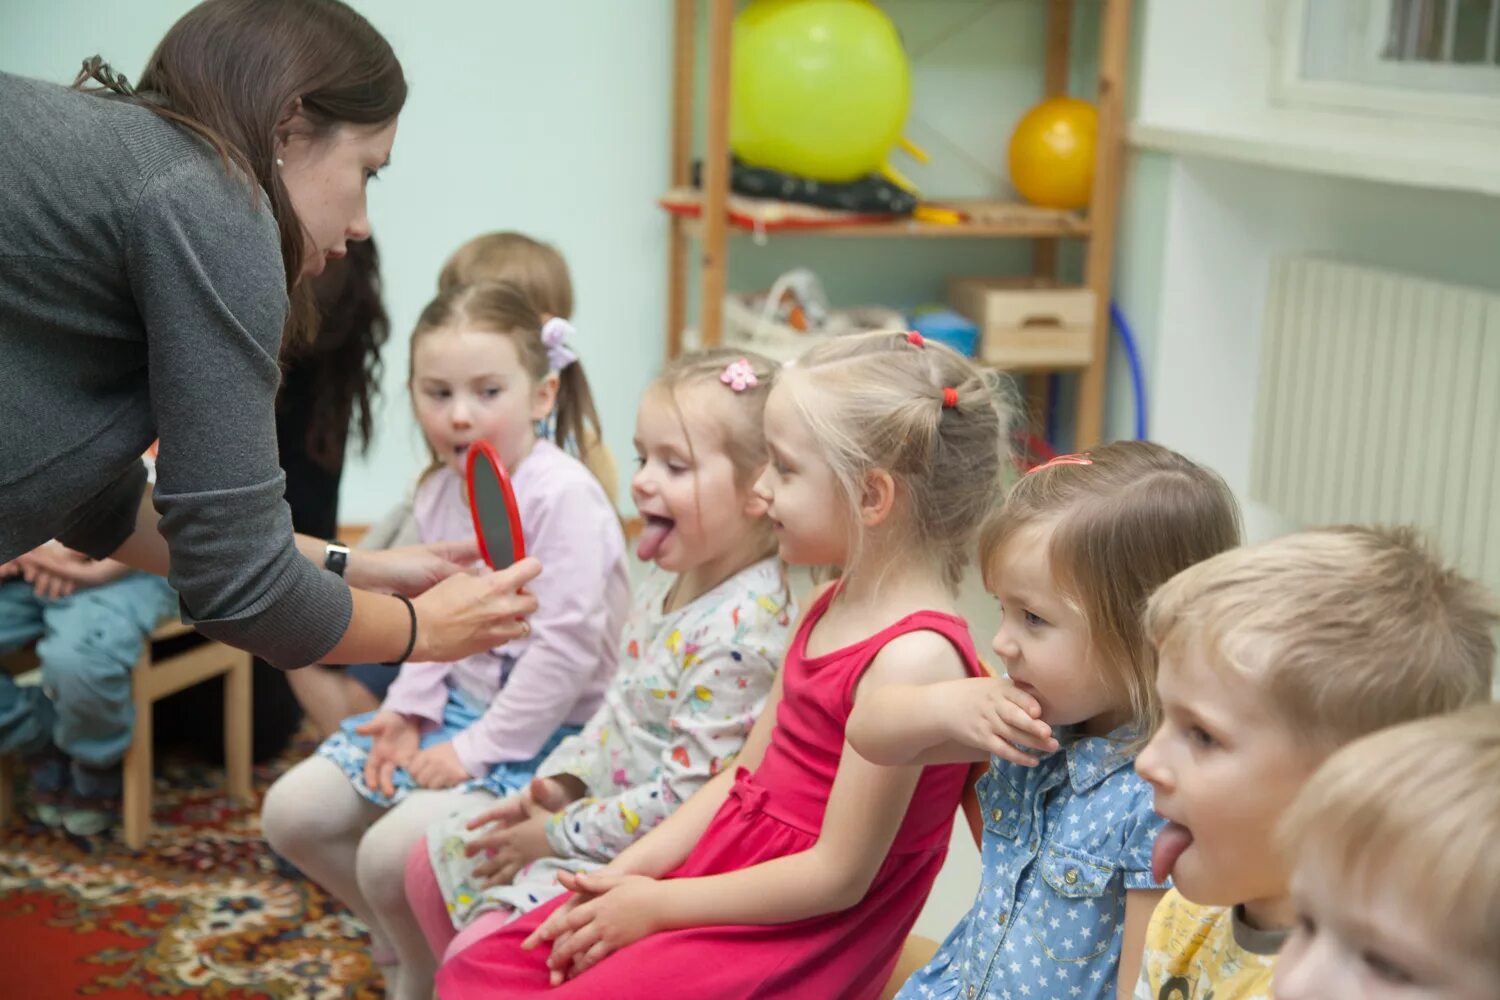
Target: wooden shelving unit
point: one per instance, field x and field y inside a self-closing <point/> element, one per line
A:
<point x="992" y="219"/>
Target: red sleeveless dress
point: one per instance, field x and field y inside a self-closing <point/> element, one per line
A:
<point x="772" y="813"/>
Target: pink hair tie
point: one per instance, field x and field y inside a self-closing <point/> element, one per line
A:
<point x="1080" y="459"/>
<point x="915" y="339"/>
<point x="950" y="398"/>
<point x="739" y="376"/>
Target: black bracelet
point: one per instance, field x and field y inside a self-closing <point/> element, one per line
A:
<point x="411" y="643"/>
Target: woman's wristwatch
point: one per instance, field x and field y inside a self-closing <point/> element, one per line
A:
<point x="336" y="557"/>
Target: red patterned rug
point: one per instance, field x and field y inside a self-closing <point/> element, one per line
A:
<point x="206" y="910"/>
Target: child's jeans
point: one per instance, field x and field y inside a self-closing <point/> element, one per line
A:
<point x="89" y="644"/>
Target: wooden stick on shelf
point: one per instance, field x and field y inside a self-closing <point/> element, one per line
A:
<point x="1059" y="44"/>
<point x="714" y="245"/>
<point x="1044" y="251"/>
<point x="683" y="44"/>
<point x="1103" y="210"/>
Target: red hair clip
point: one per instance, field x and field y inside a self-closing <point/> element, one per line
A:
<point x="1080" y="459"/>
<point x="950" y="398"/>
<point x="915" y="339"/>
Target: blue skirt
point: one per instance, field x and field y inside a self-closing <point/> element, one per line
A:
<point x="349" y="751"/>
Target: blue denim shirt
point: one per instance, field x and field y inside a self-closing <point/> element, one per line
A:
<point x="1063" y="842"/>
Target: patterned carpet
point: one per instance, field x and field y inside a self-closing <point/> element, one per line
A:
<point x="206" y="910"/>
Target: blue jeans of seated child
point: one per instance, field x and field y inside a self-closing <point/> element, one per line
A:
<point x="89" y="644"/>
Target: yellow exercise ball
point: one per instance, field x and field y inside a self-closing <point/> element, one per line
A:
<point x="1052" y="153"/>
<point x="818" y="88"/>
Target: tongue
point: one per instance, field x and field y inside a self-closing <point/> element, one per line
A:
<point x="653" y="533"/>
<point x="1170" y="844"/>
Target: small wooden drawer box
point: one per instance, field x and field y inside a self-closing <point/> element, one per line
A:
<point x="1028" y="325"/>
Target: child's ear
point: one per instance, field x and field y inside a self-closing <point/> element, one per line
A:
<point x="544" y="397"/>
<point x="876" y="498"/>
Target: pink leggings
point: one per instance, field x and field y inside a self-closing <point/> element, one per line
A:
<point x="427" y="905"/>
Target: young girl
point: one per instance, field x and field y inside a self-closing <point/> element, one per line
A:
<point x="1067" y="886"/>
<point x="541" y="273"/>
<point x="349" y="816"/>
<point x="709" y="627"/>
<point x="799" y="873"/>
<point x="539" y="270"/>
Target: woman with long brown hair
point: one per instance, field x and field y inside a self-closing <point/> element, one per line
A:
<point x="153" y="248"/>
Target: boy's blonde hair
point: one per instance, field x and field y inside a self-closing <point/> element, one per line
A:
<point x="876" y="401"/>
<point x="742" y="436"/>
<point x="534" y="267"/>
<point x="1414" y="809"/>
<point x="1347" y="629"/>
<point x="1125" y="523"/>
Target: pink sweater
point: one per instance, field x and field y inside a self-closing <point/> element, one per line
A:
<point x="559" y="673"/>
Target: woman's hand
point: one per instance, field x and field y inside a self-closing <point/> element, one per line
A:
<point x="465" y="615"/>
<point x="410" y="569"/>
<point x="618" y="911"/>
<point x="396" y="740"/>
<point x="438" y="767"/>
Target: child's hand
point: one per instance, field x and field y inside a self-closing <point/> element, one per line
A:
<point x="397" y="739"/>
<point x="510" y="811"/>
<point x="410" y="569"/>
<point x="551" y="794"/>
<point x="49" y="569"/>
<point x="991" y="714"/>
<point x="55" y="571"/>
<point x="513" y="846"/>
<point x="620" y="910"/>
<point x="49" y="586"/>
<point x="100" y="571"/>
<point x="438" y="767"/>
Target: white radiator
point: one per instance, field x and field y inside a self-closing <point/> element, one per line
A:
<point x="1380" y="402"/>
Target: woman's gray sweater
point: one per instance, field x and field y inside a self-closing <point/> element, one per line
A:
<point x="142" y="295"/>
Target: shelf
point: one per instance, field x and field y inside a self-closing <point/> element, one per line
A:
<point x="987" y="218"/>
<point x="694" y="241"/>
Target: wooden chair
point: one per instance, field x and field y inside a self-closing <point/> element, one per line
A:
<point x="161" y="671"/>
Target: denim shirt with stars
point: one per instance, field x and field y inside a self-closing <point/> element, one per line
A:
<point x="1063" y="842"/>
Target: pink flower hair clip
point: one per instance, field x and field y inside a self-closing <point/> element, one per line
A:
<point x="739" y="376"/>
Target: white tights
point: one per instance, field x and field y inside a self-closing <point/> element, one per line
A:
<point x="357" y="850"/>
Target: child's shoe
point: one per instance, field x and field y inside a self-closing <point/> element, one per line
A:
<point x="47" y="779"/>
<point x="93" y="804"/>
<point x="88" y="817"/>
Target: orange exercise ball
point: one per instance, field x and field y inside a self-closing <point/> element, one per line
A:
<point x="1052" y="153"/>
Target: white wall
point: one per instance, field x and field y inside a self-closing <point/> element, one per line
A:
<point x="1225" y="222"/>
<point x="1224" y="179"/>
<point x="1207" y="76"/>
<point x="550" y="118"/>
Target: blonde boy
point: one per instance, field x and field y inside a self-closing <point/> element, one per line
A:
<point x="1395" y="872"/>
<point x="1272" y="657"/>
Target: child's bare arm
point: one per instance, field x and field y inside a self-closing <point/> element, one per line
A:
<point x="948" y="721"/>
<point x="866" y="806"/>
<point x="667" y="846"/>
<point x="1139" y="905"/>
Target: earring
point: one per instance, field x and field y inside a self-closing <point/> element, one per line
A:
<point x="280" y="162"/>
